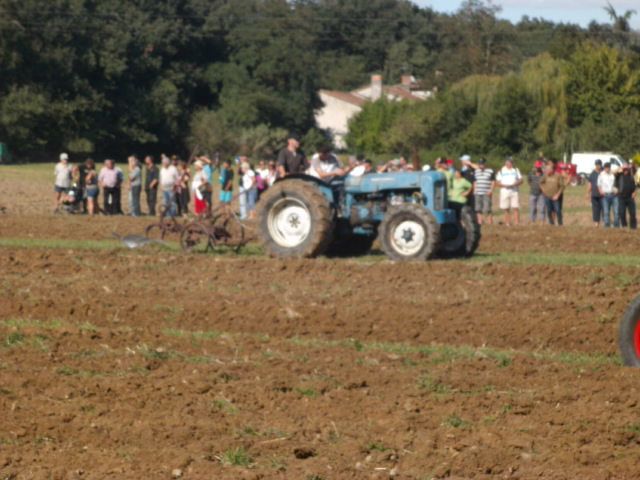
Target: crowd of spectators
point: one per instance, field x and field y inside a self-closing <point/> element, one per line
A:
<point x="180" y="185"/>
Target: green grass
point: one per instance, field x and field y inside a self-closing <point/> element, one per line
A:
<point x="39" y="172"/>
<point x="432" y="354"/>
<point x="428" y="384"/>
<point x="225" y="406"/>
<point x="198" y="335"/>
<point x="376" y="447"/>
<point x="532" y="258"/>
<point x="14" y="339"/>
<point x="437" y="354"/>
<point x="307" y="392"/>
<point x="59" y="244"/>
<point x="559" y="259"/>
<point x="455" y="421"/>
<point x="236" y="457"/>
<point x="18" y="323"/>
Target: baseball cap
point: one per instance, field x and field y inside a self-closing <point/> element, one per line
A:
<point x="538" y="164"/>
<point x="482" y="161"/>
<point x="64" y="156"/>
<point x="598" y="162"/>
<point x="465" y="158"/>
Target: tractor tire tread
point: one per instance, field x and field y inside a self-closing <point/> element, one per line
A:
<point x="321" y="213"/>
<point x="626" y="334"/>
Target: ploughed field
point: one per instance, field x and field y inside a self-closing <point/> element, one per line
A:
<point x="152" y="363"/>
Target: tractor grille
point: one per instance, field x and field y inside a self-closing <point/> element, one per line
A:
<point x="440" y="195"/>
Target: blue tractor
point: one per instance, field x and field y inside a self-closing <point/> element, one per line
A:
<point x="301" y="216"/>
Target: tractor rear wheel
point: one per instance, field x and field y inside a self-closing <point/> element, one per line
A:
<point x="629" y="335"/>
<point x="295" y="219"/>
<point x="409" y="232"/>
<point x="466" y="242"/>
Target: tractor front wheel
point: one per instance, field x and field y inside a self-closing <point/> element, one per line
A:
<point x="409" y="232"/>
<point x="629" y="335"/>
<point x="296" y="219"/>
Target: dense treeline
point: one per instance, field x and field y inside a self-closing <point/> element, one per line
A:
<point x="590" y="101"/>
<point x="164" y="75"/>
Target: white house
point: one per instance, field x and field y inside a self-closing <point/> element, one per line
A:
<point x="339" y="107"/>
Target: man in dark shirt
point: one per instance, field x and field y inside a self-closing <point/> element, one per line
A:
<point x="626" y="185"/>
<point x="537" y="204"/>
<point x="594" y="193"/>
<point x="290" y="159"/>
<point x="151" y="184"/>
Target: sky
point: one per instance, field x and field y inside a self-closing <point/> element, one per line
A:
<point x="566" y="11"/>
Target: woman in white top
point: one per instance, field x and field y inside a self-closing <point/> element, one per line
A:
<point x="272" y="174"/>
<point x="199" y="186"/>
<point x="248" y="192"/>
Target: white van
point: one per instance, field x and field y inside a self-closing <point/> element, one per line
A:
<point x="585" y="161"/>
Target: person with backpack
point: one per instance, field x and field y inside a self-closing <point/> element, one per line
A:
<point x="509" y="180"/>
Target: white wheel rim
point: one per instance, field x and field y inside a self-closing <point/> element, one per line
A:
<point x="408" y="237"/>
<point x="289" y="222"/>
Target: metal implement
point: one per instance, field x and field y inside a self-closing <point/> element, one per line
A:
<point x="222" y="228"/>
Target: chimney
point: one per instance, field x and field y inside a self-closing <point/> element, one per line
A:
<point x="407" y="81"/>
<point x="376" y="87"/>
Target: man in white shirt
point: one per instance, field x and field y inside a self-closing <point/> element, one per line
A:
<point x="325" y="165"/>
<point x="169" y="178"/>
<point x="608" y="191"/>
<point x="62" y="174"/>
<point x="509" y="180"/>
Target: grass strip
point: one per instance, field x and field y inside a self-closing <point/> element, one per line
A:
<point x="559" y="259"/>
<point x="436" y="353"/>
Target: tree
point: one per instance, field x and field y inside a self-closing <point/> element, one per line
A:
<point x="620" y="22"/>
<point x="416" y="126"/>
<point x="209" y="132"/>
<point x="367" y="129"/>
<point x="600" y="79"/>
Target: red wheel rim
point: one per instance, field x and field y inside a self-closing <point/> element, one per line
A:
<point x="636" y="338"/>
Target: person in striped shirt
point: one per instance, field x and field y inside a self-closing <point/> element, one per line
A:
<point x="484" y="182"/>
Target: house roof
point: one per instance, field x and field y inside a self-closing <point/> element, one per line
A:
<point x="346" y="97"/>
<point x="402" y="92"/>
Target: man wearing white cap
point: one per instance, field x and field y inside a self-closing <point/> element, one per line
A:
<point x="62" y="174"/>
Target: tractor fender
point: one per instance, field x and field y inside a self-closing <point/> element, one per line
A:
<point x="324" y="187"/>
